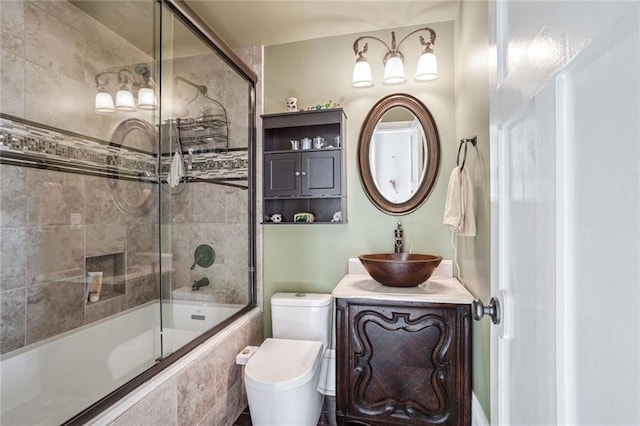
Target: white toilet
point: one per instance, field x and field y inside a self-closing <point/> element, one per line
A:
<point x="281" y="378"/>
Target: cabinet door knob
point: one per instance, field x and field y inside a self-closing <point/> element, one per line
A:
<point x="297" y="173"/>
<point x="304" y="173"/>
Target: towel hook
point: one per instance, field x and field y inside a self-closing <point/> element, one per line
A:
<point x="473" y="141"/>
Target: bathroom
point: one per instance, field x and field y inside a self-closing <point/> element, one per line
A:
<point x="287" y="258"/>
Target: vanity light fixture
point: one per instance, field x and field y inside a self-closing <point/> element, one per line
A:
<point x="128" y="83"/>
<point x="393" y="60"/>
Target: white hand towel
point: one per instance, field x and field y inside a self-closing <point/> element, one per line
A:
<point x="176" y="172"/>
<point x="458" y="210"/>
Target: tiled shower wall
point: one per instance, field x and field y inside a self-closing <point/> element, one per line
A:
<point x="50" y="52"/>
<point x="208" y="390"/>
<point x="212" y="214"/>
<point x="50" y="222"/>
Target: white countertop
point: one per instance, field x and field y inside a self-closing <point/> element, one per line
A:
<point x="438" y="289"/>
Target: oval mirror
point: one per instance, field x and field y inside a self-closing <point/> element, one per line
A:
<point x="398" y="154"/>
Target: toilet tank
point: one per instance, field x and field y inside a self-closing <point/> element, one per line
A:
<point x="302" y="316"/>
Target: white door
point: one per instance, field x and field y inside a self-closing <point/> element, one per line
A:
<point x="565" y="146"/>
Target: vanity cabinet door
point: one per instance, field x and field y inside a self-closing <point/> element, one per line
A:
<point x="403" y="363"/>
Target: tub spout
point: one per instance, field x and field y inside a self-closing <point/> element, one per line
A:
<point x="200" y="283"/>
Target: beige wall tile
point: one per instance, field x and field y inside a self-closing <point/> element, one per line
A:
<point x="12" y="320"/>
<point x="229" y="408"/>
<point x="53" y="250"/>
<point x="55" y="99"/>
<point x="53" y="196"/>
<point x="103" y="308"/>
<point x="12" y="81"/>
<point x="54" y="44"/>
<point x="142" y="290"/>
<point x="105" y="239"/>
<point x="208" y="203"/>
<point x="13" y="196"/>
<point x="54" y="308"/>
<point x="12" y="27"/>
<point x="177" y="205"/>
<point x="142" y="244"/>
<point x="197" y="389"/>
<point x="12" y="259"/>
<point x="159" y="408"/>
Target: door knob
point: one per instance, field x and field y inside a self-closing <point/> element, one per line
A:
<point x="297" y="173"/>
<point x="304" y="173"/>
<point x="492" y="310"/>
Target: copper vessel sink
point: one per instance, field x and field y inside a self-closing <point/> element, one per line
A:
<point x="400" y="269"/>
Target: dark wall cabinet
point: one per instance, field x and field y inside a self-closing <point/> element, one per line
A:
<point x="309" y="180"/>
<point x="303" y="174"/>
<point x="401" y="363"/>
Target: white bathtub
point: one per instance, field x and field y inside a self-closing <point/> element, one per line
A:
<point x="51" y="381"/>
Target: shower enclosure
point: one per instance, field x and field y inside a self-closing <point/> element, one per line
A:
<point x="127" y="202"/>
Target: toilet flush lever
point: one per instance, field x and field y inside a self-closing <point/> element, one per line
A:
<point x="492" y="310"/>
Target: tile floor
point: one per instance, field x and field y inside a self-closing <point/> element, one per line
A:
<point x="327" y="418"/>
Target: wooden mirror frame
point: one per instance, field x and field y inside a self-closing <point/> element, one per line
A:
<point x="428" y="124"/>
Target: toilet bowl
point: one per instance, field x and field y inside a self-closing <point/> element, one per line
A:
<point x="281" y="381"/>
<point x="282" y="376"/>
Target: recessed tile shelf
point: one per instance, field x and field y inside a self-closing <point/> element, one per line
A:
<point x="112" y="267"/>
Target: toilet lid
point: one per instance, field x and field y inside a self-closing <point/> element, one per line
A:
<point x="282" y="364"/>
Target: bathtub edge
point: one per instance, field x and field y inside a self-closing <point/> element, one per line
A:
<point x="111" y="414"/>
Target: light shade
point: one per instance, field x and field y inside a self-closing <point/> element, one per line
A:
<point x="427" y="67"/>
<point x="147" y="99"/>
<point x="104" y="103"/>
<point x="362" y="74"/>
<point x="125" y="101"/>
<point x="394" y="70"/>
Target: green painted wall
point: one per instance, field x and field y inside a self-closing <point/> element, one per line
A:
<point x="472" y="117"/>
<point x="314" y="258"/>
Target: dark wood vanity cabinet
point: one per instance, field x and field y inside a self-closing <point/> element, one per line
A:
<point x="403" y="363"/>
<point x="304" y="180"/>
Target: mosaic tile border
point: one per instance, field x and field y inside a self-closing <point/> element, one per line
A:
<point x="29" y="144"/>
<point x="229" y="165"/>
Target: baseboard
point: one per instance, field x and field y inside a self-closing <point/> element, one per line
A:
<point x="478" y="418"/>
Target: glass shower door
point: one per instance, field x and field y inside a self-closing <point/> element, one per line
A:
<point x="206" y="128"/>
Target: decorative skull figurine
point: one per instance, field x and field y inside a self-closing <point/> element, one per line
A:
<point x="276" y="218"/>
<point x="292" y="104"/>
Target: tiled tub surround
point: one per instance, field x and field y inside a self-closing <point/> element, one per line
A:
<point x="203" y="388"/>
<point x="98" y="358"/>
<point x="50" y="222"/>
<point x="51" y="51"/>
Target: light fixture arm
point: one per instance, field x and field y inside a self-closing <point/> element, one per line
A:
<point x="102" y="79"/>
<point x="125" y="78"/>
<point x="144" y="71"/>
<point x="425" y="44"/>
<point x="394" y="49"/>
<point x="393" y="60"/>
<point x="360" y="53"/>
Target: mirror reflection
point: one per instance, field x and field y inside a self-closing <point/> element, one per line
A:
<point x="397" y="156"/>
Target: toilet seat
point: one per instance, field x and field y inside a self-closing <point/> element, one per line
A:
<point x="283" y="364"/>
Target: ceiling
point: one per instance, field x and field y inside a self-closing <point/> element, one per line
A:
<point x="243" y="23"/>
